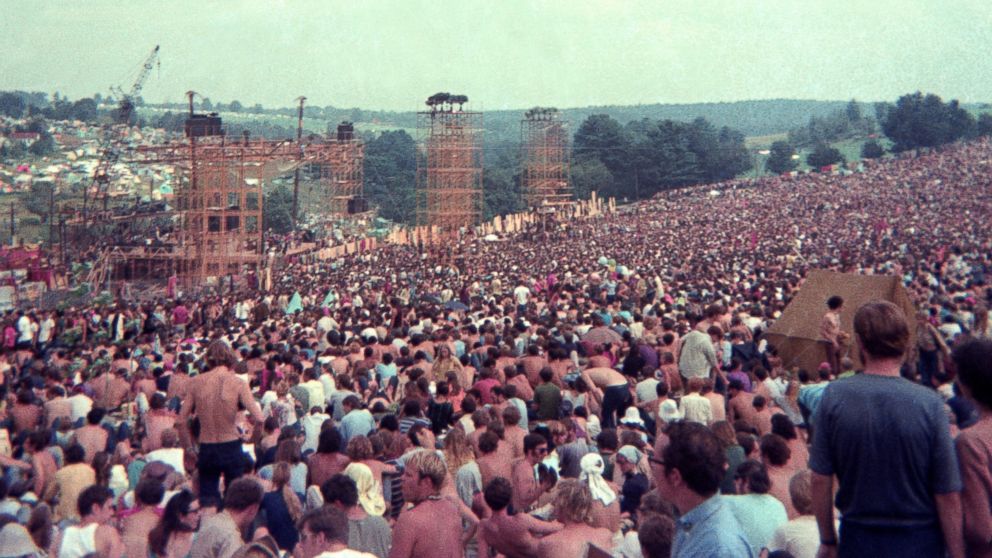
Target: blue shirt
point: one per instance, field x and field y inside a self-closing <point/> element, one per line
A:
<point x="759" y="515"/>
<point x="887" y="439"/>
<point x="358" y="422"/>
<point x="708" y="530"/>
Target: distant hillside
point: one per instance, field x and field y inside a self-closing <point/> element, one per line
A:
<point x="753" y="118"/>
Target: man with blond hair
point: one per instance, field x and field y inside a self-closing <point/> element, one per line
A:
<point x="432" y="528"/>
<point x="573" y="509"/>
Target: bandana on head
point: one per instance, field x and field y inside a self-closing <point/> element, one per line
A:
<point x="592" y="472"/>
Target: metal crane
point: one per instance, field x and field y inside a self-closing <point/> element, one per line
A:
<point x="110" y="148"/>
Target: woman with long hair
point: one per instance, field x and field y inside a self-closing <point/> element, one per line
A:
<point x="283" y="508"/>
<point x="444" y="363"/>
<point x="289" y="452"/>
<point x="328" y="460"/>
<point x="732" y="450"/>
<point x="460" y="457"/>
<point x="173" y="536"/>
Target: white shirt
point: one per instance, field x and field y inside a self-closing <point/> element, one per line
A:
<point x="696" y="408"/>
<point x="315" y="390"/>
<point x="45" y="330"/>
<point x="172" y="457"/>
<point x="81" y="406"/>
<point x="800" y="537"/>
<point x="521" y="294"/>
<point x="345" y="553"/>
<point x="27" y="328"/>
<point x="311" y="428"/>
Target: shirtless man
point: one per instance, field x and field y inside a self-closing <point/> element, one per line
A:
<point x="741" y="404"/>
<point x="135" y="527"/>
<point x="513" y="435"/>
<point x="91" y="435"/>
<point x="616" y="392"/>
<point x="157" y="420"/>
<point x="526" y="488"/>
<point x="492" y="462"/>
<point x="95" y="534"/>
<point x="215" y="398"/>
<point x="110" y="390"/>
<point x="573" y="507"/>
<point x="57" y="406"/>
<point x="433" y="527"/>
<point x="514" y="536"/>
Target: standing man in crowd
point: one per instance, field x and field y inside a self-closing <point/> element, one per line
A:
<point x="697" y="357"/>
<point x="888" y="442"/>
<point x="216" y="398"/>
<point x="831" y="335"/>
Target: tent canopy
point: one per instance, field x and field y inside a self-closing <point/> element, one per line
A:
<point x="795" y="334"/>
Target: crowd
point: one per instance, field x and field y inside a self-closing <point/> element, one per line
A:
<point x="594" y="387"/>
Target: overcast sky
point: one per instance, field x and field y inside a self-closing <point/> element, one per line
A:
<point x="392" y="54"/>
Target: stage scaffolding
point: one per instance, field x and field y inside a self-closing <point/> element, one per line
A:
<point x="449" y="167"/>
<point x="218" y="204"/>
<point x="545" y="159"/>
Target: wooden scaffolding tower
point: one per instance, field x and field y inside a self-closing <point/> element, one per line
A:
<point x="545" y="159"/>
<point x="449" y="164"/>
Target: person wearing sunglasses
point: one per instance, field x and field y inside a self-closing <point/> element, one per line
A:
<point x="172" y="537"/>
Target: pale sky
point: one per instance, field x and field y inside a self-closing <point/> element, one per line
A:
<point x="503" y="54"/>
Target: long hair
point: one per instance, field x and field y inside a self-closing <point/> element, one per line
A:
<point x="457" y="449"/>
<point x="171" y="522"/>
<point x="280" y="481"/>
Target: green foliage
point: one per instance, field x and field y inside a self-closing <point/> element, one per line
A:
<point x="602" y="138"/>
<point x="871" y="149"/>
<point x="780" y="159"/>
<point x="648" y="156"/>
<point x="44" y="145"/>
<point x="984" y="126"/>
<point x="501" y="188"/>
<point x="390" y="175"/>
<point x="13" y="151"/>
<point x="277" y="212"/>
<point x="823" y="155"/>
<point x="841" y="124"/>
<point x="39" y="198"/>
<point x="589" y="175"/>
<point x="85" y="110"/>
<point x="926" y="121"/>
<point x="12" y="105"/>
<point x="235" y="106"/>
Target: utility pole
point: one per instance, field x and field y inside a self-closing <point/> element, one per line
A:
<point x="12" y="224"/>
<point x="296" y="174"/>
<point x="51" y="218"/>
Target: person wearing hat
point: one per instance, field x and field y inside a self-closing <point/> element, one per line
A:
<point x="16" y="542"/>
<point x="606" y="504"/>
<point x="635" y="483"/>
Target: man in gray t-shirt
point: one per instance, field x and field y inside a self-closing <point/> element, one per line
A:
<point x="888" y="442"/>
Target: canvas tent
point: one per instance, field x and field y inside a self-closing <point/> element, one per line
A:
<point x="796" y="332"/>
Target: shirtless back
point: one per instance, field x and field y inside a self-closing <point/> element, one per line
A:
<point x="574" y="540"/>
<point x="215" y="398"/>
<point x="604" y="377"/>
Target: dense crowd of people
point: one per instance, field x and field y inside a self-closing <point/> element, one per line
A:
<point x="593" y="387"/>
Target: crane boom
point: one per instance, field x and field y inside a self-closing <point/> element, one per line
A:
<point x="110" y="148"/>
<point x="126" y="107"/>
